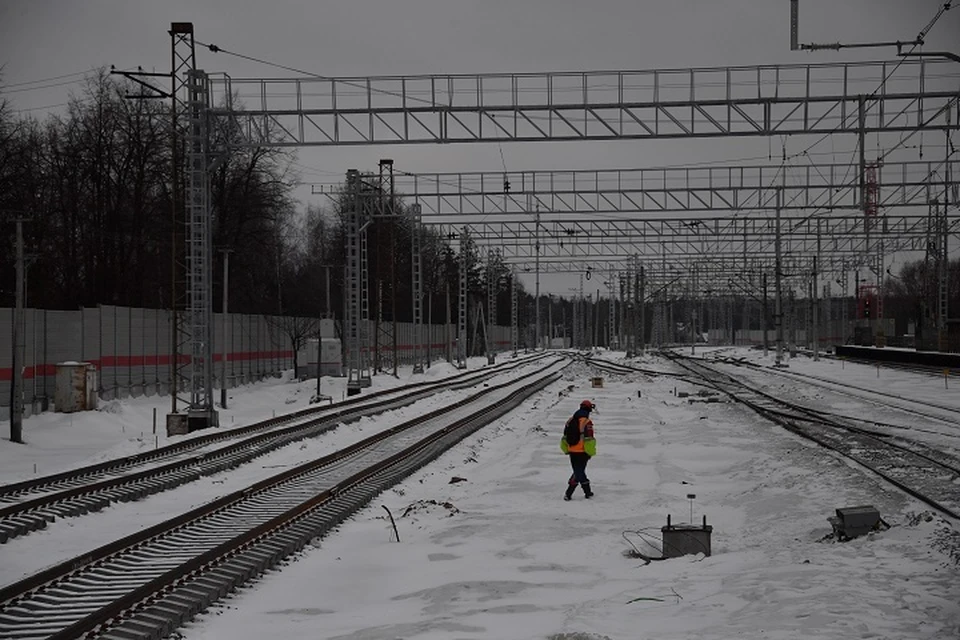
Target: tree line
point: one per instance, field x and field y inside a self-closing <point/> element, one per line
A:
<point x="95" y="184"/>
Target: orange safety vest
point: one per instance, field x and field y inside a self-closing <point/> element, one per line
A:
<point x="586" y="430"/>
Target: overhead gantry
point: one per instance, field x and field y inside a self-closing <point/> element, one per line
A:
<point x="891" y="97"/>
<point x="761" y="100"/>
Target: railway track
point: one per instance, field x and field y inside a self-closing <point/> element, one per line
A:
<point x="925" y="369"/>
<point x="624" y="369"/>
<point x="149" y="583"/>
<point x="852" y="390"/>
<point x="29" y="506"/>
<point x="927" y="474"/>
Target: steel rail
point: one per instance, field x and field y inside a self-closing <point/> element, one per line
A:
<point x="828" y="384"/>
<point x="200" y="441"/>
<point x="159" y="577"/>
<point x="87" y="493"/>
<point x="827" y="438"/>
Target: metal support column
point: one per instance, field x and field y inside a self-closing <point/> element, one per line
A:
<point x="536" y="295"/>
<point x="815" y="321"/>
<point x="223" y="333"/>
<point x="641" y="310"/>
<point x="778" y="288"/>
<point x="491" y="305"/>
<point x="417" y="266"/>
<point x="630" y="313"/>
<point x="356" y="302"/>
<point x="16" y="388"/>
<point x="514" y="315"/>
<point x="462" y="300"/>
<point x="943" y="270"/>
<point x="612" y="313"/>
<point x="201" y="411"/>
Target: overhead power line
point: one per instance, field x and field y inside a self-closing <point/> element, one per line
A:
<point x="4" y="87"/>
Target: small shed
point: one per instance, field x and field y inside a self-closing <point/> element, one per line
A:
<point x="76" y="387"/>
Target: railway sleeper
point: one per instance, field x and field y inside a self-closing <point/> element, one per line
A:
<point x="70" y="589"/>
<point x="186" y="603"/>
<point x="29" y="633"/>
<point x="218" y="582"/>
<point x="124" y="633"/>
<point x="11" y="528"/>
<point x="151" y="628"/>
<point x="191" y="595"/>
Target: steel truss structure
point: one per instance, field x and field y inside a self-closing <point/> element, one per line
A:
<point x="854" y="98"/>
<point x="759" y="100"/>
<point x="670" y="267"/>
<point x="566" y="195"/>
<point x="356" y="291"/>
<point x="192" y="340"/>
<point x="199" y="252"/>
<point x="612" y="239"/>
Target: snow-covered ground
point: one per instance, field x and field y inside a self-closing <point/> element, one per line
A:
<point x="68" y="537"/>
<point x="60" y="441"/>
<point x="499" y="554"/>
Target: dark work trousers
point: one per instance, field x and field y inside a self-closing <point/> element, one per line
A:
<point x="579" y="461"/>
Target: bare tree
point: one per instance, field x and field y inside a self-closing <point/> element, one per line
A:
<point x="297" y="330"/>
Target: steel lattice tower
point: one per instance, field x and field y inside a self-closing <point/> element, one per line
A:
<point x="356" y="302"/>
<point x="491" y="304"/>
<point x="462" y="301"/>
<point x="199" y="265"/>
<point x="514" y="316"/>
<point x="417" y="266"/>
<point x="192" y="303"/>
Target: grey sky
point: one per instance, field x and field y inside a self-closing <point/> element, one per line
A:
<point x="47" y="38"/>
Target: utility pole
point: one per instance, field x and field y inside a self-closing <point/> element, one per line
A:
<point x="514" y="318"/>
<point x="816" y="313"/>
<point x="550" y="331"/>
<point x="765" y="323"/>
<point x="223" y="336"/>
<point x="778" y="313"/>
<point x="642" y="339"/>
<point x="326" y="312"/>
<point x="447" y="324"/>
<point x="537" y="293"/>
<point x="16" y="387"/>
<point x="943" y="310"/>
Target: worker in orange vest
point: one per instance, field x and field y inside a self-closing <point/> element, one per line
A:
<point x="579" y="443"/>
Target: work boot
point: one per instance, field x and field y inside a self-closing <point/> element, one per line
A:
<point x="587" y="493"/>
<point x="569" y="493"/>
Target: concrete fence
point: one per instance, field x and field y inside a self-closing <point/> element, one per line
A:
<point x="131" y="349"/>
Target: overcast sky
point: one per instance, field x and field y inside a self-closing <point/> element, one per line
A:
<point x="48" y="38"/>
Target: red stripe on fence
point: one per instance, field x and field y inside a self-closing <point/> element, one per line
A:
<point x="6" y="374"/>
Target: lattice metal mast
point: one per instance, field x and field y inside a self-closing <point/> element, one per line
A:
<point x="492" y="287"/>
<point x="356" y="293"/>
<point x="514" y="315"/>
<point x="463" y="299"/>
<point x="417" y="266"/>
<point x="199" y="250"/>
<point x="182" y="63"/>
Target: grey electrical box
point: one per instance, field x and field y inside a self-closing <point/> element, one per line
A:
<point x="686" y="539"/>
<point x="851" y="522"/>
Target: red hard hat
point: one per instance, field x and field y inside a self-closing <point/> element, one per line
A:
<point x="587" y="404"/>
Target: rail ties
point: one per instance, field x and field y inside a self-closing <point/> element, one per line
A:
<point x="151" y="582"/>
<point x="932" y="476"/>
<point x="34" y="506"/>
